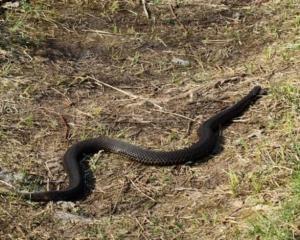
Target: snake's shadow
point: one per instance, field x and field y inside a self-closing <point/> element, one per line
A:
<point x="219" y="147"/>
<point x="89" y="178"/>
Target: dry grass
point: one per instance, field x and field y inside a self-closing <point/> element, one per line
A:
<point x="51" y="52"/>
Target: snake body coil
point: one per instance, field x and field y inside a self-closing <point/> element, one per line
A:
<point x="208" y="134"/>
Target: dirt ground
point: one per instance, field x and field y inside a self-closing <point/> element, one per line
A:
<point x="71" y="70"/>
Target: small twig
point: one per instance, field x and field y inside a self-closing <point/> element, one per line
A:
<point x="233" y="79"/>
<point x="119" y="196"/>
<point x="101" y="32"/>
<point x="189" y="127"/>
<point x="186" y="94"/>
<point x="67" y="135"/>
<point x="142" y="228"/>
<point x="84" y="113"/>
<point x="7" y="213"/>
<point x="159" y="108"/>
<point x="7" y="184"/>
<point x="63" y="95"/>
<point x="175" y="114"/>
<point x="176" y="18"/>
<point x="51" y="175"/>
<point x="146" y="9"/>
<point x="139" y="190"/>
<point x="124" y="92"/>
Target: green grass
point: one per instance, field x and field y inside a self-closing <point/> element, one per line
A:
<point x="280" y="224"/>
<point x="234" y="182"/>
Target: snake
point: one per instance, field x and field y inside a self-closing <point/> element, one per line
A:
<point x="208" y="134"/>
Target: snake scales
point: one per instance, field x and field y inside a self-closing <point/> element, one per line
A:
<point x="208" y="134"/>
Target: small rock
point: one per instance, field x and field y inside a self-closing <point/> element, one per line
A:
<point x="181" y="62"/>
<point x="11" y="4"/>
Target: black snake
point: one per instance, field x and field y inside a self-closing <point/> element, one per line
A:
<point x="208" y="134"/>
